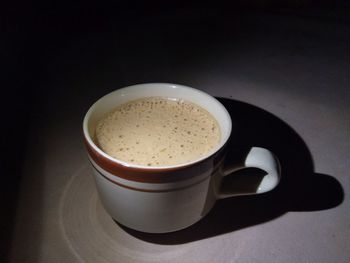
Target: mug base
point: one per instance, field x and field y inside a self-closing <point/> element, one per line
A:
<point x="157" y="230"/>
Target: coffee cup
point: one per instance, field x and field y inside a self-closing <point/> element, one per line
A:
<point x="167" y="198"/>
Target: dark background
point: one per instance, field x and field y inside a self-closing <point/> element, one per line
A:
<point x="130" y="43"/>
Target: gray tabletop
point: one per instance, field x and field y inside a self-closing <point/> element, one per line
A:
<point x="285" y="81"/>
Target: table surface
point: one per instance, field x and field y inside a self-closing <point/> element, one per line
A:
<point x="285" y="79"/>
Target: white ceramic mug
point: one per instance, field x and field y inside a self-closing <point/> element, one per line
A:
<point x="169" y="198"/>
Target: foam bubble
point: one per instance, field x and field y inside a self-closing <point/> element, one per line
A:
<point x="156" y="131"/>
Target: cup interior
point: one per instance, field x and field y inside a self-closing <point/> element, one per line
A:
<point x="110" y="101"/>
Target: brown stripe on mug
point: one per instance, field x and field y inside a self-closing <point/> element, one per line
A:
<point x="162" y="175"/>
<point x="148" y="190"/>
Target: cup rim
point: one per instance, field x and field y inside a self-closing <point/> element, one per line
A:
<point x="100" y="152"/>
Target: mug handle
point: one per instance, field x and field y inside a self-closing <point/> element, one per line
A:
<point x="259" y="173"/>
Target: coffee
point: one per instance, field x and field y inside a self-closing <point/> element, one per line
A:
<point x="157" y="131"/>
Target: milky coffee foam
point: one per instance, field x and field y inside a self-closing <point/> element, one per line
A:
<point x="157" y="131"/>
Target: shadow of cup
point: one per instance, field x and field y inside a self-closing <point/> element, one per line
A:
<point x="300" y="188"/>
